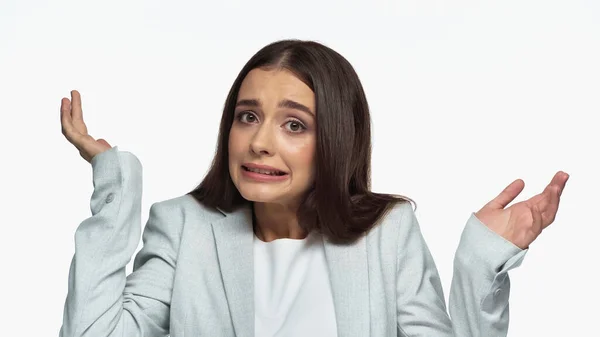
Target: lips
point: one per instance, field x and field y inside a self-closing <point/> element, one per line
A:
<point x="261" y="170"/>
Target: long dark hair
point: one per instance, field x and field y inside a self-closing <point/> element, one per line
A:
<point x="340" y="204"/>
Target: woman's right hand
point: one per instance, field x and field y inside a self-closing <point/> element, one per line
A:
<point x="74" y="129"/>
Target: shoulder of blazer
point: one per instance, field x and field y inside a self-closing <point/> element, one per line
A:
<point x="391" y="226"/>
<point x="186" y="206"/>
<point x="394" y="228"/>
<point x="396" y="218"/>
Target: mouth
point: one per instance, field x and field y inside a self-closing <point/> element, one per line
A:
<point x="264" y="172"/>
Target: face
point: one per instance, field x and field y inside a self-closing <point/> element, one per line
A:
<point x="273" y="138"/>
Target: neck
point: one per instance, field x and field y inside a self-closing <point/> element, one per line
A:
<point x="275" y="221"/>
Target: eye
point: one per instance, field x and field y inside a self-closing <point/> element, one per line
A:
<point x="246" y="117"/>
<point x="295" y="126"/>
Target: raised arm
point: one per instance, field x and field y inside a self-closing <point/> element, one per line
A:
<point x="481" y="264"/>
<point x="101" y="299"/>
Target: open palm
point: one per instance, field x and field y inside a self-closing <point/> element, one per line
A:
<point x="523" y="222"/>
<point x="75" y="130"/>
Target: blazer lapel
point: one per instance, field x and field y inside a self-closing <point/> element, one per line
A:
<point x="348" y="274"/>
<point x="234" y="237"/>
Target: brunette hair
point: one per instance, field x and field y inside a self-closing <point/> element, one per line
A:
<point x="340" y="204"/>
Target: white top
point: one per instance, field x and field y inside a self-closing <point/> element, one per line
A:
<point x="292" y="294"/>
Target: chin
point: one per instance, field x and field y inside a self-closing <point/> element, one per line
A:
<point x="259" y="194"/>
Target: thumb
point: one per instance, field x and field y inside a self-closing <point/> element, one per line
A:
<point x="104" y="142"/>
<point x="507" y="195"/>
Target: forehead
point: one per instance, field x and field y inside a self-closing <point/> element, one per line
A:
<point x="271" y="86"/>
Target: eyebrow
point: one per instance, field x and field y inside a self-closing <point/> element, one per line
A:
<point x="286" y="103"/>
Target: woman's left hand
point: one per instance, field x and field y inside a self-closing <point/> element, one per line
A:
<point x="522" y="222"/>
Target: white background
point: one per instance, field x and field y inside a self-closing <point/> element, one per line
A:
<point x="473" y="94"/>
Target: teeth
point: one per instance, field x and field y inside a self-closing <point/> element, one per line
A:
<point x="272" y="173"/>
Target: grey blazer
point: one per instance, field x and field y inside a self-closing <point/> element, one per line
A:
<point x="194" y="274"/>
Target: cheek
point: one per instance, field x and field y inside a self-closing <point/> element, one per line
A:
<point x="235" y="142"/>
<point x="234" y="150"/>
<point x="302" y="156"/>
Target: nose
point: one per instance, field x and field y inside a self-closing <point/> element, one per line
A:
<point x="261" y="142"/>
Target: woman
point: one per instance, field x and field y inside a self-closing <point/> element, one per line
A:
<point x="283" y="236"/>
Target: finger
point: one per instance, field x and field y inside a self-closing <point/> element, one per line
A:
<point x="65" y="118"/>
<point x="543" y="199"/>
<point x="507" y="195"/>
<point x="565" y="177"/>
<point x="551" y="208"/>
<point x="101" y="140"/>
<point x="547" y="204"/>
<point x="537" y="219"/>
<point x="560" y="177"/>
<point x="560" y="180"/>
<point x="77" y="112"/>
<point x="70" y="132"/>
<point x="556" y="185"/>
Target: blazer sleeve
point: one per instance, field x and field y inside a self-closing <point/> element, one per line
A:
<point x="480" y="286"/>
<point x="101" y="299"/>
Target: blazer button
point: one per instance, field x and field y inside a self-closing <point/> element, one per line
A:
<point x="497" y="292"/>
<point x="110" y="198"/>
